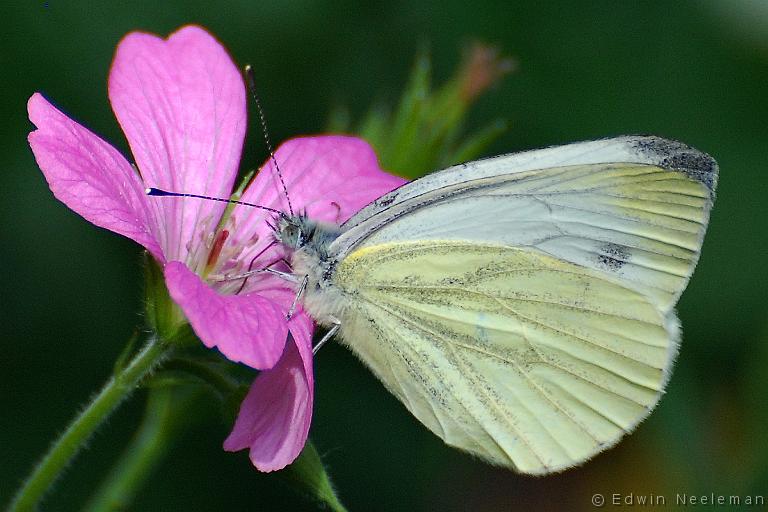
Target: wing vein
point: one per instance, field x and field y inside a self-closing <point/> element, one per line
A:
<point x="466" y="375"/>
<point x="449" y="289"/>
<point x="535" y="385"/>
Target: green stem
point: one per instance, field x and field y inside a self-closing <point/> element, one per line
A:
<point x="167" y="410"/>
<point x="218" y="380"/>
<point x="117" y="389"/>
<point x="227" y="389"/>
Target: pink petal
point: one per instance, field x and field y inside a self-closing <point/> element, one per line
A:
<point x="181" y="104"/>
<point x="90" y="176"/>
<point x="321" y="171"/>
<point x="332" y="177"/>
<point x="275" y="416"/>
<point x="246" y="328"/>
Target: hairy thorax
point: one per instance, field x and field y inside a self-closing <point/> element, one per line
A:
<point x="309" y="241"/>
<point x="322" y="299"/>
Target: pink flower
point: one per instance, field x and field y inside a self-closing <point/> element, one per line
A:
<point x="182" y="105"/>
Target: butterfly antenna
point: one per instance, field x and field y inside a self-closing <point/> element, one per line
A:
<point x="160" y="192"/>
<point x="251" y="81"/>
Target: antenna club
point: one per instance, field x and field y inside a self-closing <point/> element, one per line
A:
<point x="151" y="191"/>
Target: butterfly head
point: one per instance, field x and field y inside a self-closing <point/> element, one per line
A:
<point x="293" y="231"/>
<point x="299" y="233"/>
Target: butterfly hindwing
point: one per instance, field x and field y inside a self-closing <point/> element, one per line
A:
<point x="522" y="359"/>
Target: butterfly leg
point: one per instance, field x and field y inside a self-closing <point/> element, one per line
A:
<point x="328" y="335"/>
<point x="299" y="293"/>
<point x="283" y="275"/>
<point x="244" y="275"/>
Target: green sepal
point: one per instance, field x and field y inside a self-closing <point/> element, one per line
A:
<point x="308" y="476"/>
<point x="162" y="315"/>
<point x="217" y="376"/>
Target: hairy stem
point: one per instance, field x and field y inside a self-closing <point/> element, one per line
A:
<point x="166" y="412"/>
<point x="67" y="446"/>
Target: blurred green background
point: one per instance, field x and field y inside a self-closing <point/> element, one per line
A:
<point x="71" y="293"/>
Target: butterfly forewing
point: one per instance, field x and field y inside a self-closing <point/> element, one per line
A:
<point x="638" y="221"/>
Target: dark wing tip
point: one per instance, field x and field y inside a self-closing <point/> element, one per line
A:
<point x="672" y="154"/>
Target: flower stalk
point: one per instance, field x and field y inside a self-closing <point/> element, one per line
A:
<point x="167" y="412"/>
<point x="119" y="387"/>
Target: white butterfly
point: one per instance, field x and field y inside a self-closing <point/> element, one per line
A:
<point x="521" y="307"/>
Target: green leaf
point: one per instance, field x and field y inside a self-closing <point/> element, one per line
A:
<point x="374" y="128"/>
<point x="307" y="475"/>
<point x="409" y="117"/>
<point x="474" y="146"/>
<point x="426" y="130"/>
<point x="338" y="120"/>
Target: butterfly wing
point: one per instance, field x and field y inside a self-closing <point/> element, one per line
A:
<point x="520" y="358"/>
<point x="521" y="307"/>
<point x="635" y="207"/>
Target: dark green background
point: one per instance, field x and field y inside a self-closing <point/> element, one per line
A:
<point x="71" y="294"/>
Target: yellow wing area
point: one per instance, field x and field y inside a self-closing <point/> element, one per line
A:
<point x="522" y="359"/>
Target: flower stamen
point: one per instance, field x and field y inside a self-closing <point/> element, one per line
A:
<point x="218" y="244"/>
<point x="253" y="260"/>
